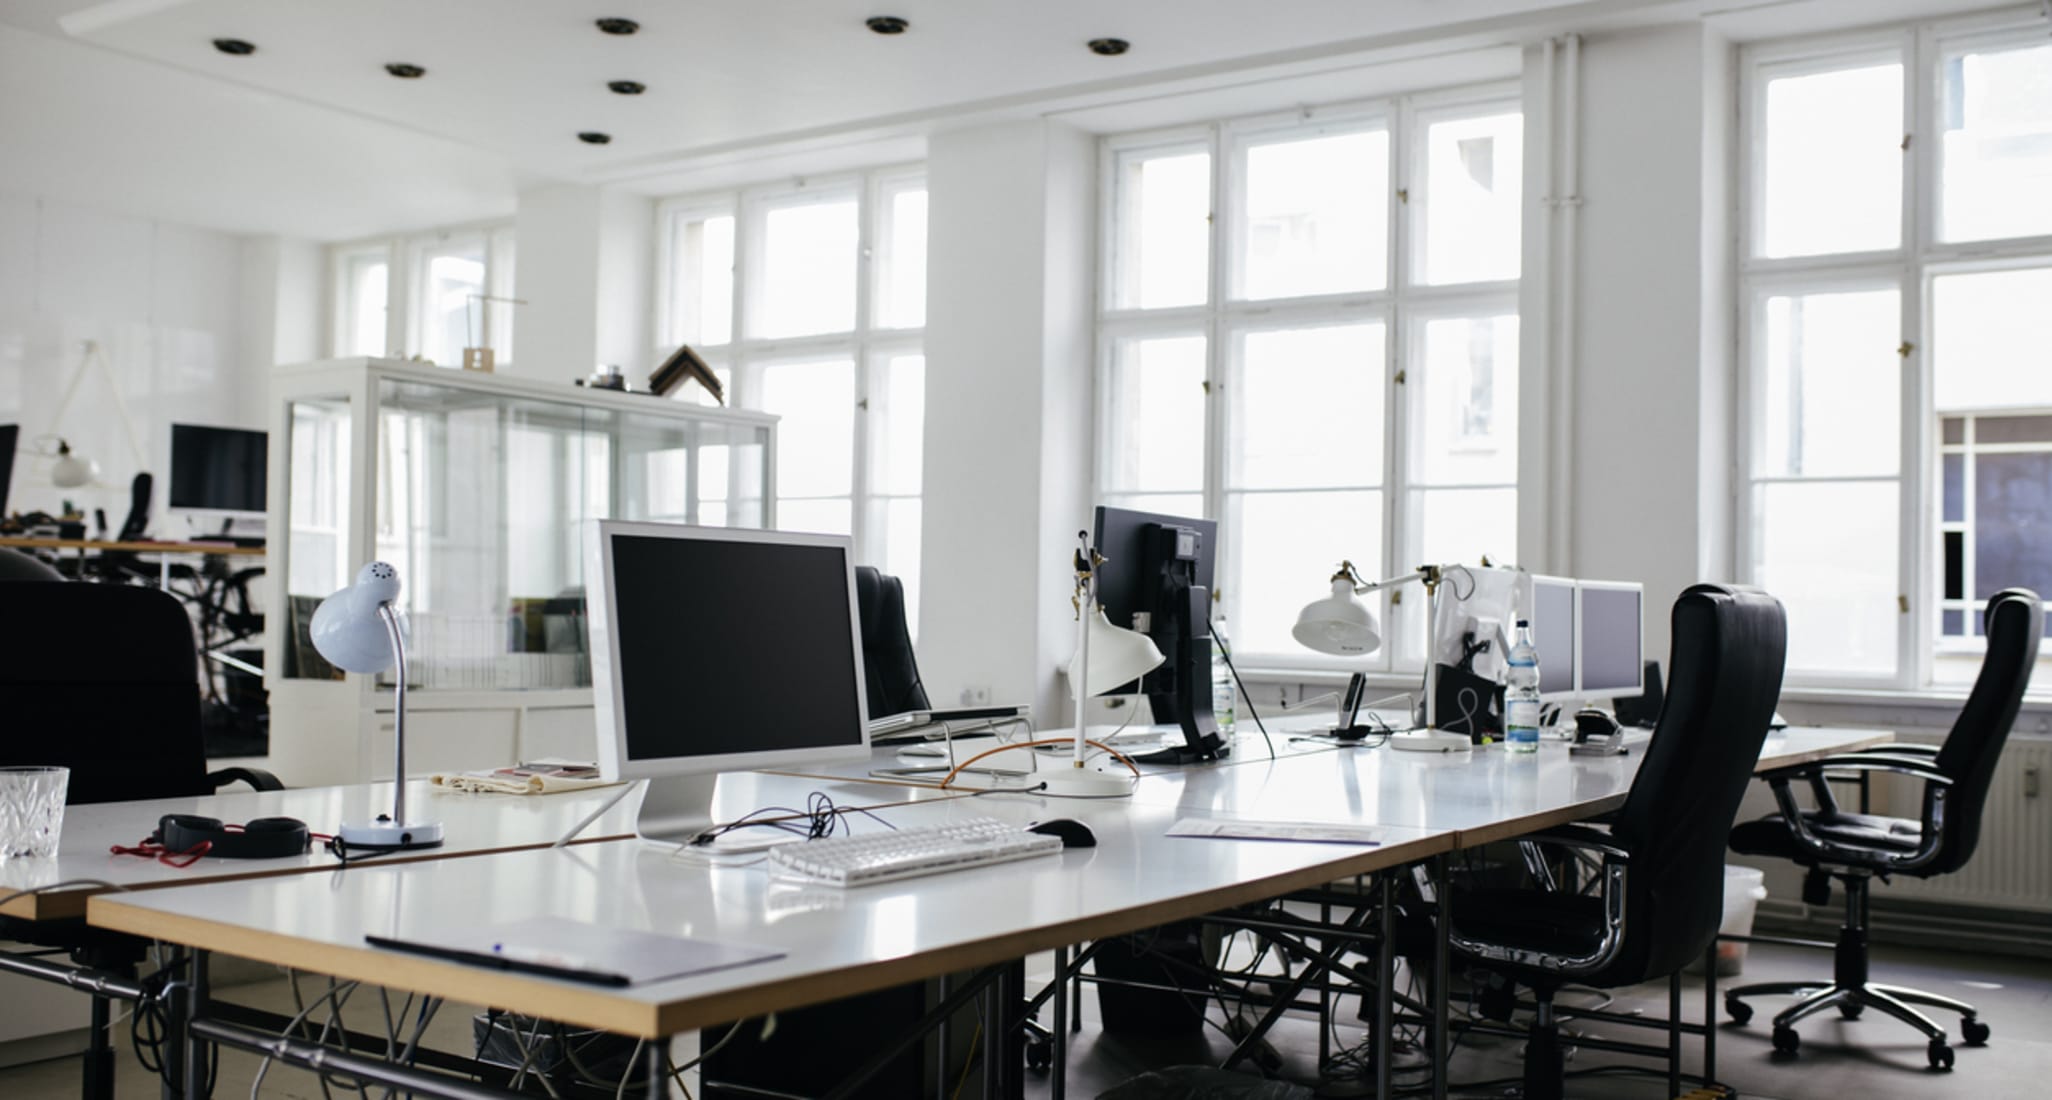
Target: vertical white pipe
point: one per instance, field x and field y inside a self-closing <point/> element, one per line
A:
<point x="1569" y="203"/>
<point x="1549" y="366"/>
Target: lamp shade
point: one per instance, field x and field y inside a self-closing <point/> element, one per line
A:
<point x="71" y="470"/>
<point x="1117" y="655"/>
<point x="1339" y="624"/>
<point x="347" y="629"/>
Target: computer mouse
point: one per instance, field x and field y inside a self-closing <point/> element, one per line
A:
<point x="1594" y="722"/>
<point x="1074" y="834"/>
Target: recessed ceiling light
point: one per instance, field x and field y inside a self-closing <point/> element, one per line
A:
<point x="618" y="26"/>
<point x="1109" y="47"/>
<point x="626" y="87"/>
<point x="593" y="137"/>
<point x="886" y="24"/>
<point x="234" y="47"/>
<point x="404" y="71"/>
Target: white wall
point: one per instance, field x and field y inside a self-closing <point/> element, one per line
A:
<point x="585" y="269"/>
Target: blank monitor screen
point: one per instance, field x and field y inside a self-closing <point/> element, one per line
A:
<point x="217" y="469"/>
<point x="726" y="646"/>
<point x="9" y="435"/>
<point x="1613" y="640"/>
<point x="1553" y="635"/>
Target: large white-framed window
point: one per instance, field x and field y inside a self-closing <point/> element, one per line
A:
<point x="1896" y="315"/>
<point x="429" y="294"/>
<point x="1308" y="331"/>
<point x="808" y="299"/>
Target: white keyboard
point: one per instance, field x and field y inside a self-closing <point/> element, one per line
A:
<point x="903" y="853"/>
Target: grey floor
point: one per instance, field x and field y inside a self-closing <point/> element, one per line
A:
<point x="1871" y="1059"/>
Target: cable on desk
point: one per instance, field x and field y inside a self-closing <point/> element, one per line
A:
<point x="1114" y="753"/>
<point x="1244" y="694"/>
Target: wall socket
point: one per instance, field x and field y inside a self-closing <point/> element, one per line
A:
<point x="976" y="695"/>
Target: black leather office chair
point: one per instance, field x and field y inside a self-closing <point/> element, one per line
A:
<point x="1656" y="902"/>
<point x="17" y="566"/>
<point x="890" y="668"/>
<point x="1853" y="848"/>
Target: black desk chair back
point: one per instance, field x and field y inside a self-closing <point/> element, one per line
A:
<point x="17" y="566"/>
<point x="1658" y="900"/>
<point x="1854" y="847"/>
<point x="889" y="667"/>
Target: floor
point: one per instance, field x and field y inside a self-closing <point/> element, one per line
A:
<point x="1871" y="1059"/>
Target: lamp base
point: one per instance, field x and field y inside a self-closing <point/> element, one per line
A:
<point x="1431" y="741"/>
<point x="387" y="835"/>
<point x="1073" y="782"/>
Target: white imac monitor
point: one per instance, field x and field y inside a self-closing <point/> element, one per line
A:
<point x="1552" y="613"/>
<point x="1611" y="627"/>
<point x="715" y="649"/>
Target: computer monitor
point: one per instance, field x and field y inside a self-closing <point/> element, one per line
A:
<point x="1610" y="623"/>
<point x="1160" y="567"/>
<point x="217" y="469"/>
<point x="1552" y="613"/>
<point x="715" y="649"/>
<point x="10" y="436"/>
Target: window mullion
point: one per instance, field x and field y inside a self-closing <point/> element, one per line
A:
<point x="859" y="526"/>
<point x="1217" y="405"/>
<point x="1916" y="550"/>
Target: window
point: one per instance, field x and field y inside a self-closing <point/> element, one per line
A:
<point x="435" y="303"/>
<point x="808" y="300"/>
<point x="1894" y="288"/>
<point x="1309" y="331"/>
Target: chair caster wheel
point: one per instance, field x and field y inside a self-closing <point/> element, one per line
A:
<point x="1850" y="1010"/>
<point x="1786" y="1041"/>
<point x="1039" y="1057"/>
<point x="1740" y="1012"/>
<point x="1940" y="1055"/>
<point x="1974" y="1032"/>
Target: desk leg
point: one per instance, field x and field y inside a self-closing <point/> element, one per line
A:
<point x="943" y="1031"/>
<point x="99" y="1059"/>
<point x="1385" y="979"/>
<point x="1058" y="1067"/>
<point x="1710" y="1011"/>
<point x="1325" y="990"/>
<point x="183" y="1038"/>
<point x="1674" y="1034"/>
<point x="658" y="1055"/>
<point x="1442" y="1050"/>
<point x="164" y="572"/>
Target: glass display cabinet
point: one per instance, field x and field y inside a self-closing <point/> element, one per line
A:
<point x="477" y="487"/>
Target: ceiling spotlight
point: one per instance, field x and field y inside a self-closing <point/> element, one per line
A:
<point x="626" y="87"/>
<point x="886" y="24"/>
<point x="618" y="26"/>
<point x="234" y="47"/>
<point x="404" y="71"/>
<point x="1109" y="47"/>
<point x="593" y="137"/>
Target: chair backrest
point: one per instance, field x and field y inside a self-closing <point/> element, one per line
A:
<point x="889" y="667"/>
<point x="17" y="566"/>
<point x="1724" y="669"/>
<point x="104" y="680"/>
<point x="2015" y="623"/>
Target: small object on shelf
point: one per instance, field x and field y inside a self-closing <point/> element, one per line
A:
<point x="606" y="377"/>
<point x="478" y="359"/>
<point x="684" y="365"/>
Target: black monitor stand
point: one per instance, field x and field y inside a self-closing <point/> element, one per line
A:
<point x="1182" y="631"/>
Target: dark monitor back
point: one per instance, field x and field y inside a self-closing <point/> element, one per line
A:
<point x="10" y="435"/>
<point x="217" y="469"/>
<point x="1128" y="581"/>
<point x="1553" y="635"/>
<point x="1613" y="642"/>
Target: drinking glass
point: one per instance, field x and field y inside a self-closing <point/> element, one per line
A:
<point x="31" y="810"/>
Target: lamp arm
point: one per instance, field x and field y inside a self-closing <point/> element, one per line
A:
<point x="1362" y="587"/>
<point x="391" y="618"/>
<point x="88" y="358"/>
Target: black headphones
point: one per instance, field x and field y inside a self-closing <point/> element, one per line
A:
<point x="264" y="838"/>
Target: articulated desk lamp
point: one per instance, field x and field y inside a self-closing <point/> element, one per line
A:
<point x="357" y="630"/>
<point x="1106" y="656"/>
<point x="1341" y="625"/>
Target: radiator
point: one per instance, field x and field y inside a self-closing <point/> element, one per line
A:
<point x="2012" y="865"/>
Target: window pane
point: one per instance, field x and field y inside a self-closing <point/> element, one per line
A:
<point x="1467" y="431"/>
<point x="901" y="263"/>
<point x="1992" y="339"/>
<point x="816" y="437"/>
<point x="1833" y="170"/>
<point x="1449" y="526"/>
<point x="2012" y="522"/>
<point x="1154" y="397"/>
<point x="825" y="517"/>
<point x="1282" y="548"/>
<point x="898" y="554"/>
<point x="897" y="417"/>
<point x="1474" y="196"/>
<point x="449" y="319"/>
<point x="1831" y="381"/>
<point x="1307" y="409"/>
<point x="702" y="279"/>
<point x="1316" y="219"/>
<point x="503" y="252"/>
<point x="364" y="302"/>
<point x="808" y="284"/>
<point x="1163" y="222"/>
<point x="1828" y="551"/>
<point x="1997" y="151"/>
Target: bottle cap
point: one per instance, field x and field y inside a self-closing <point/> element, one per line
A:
<point x="1524" y="622"/>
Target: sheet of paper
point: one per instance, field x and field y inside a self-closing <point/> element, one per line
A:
<point x="1303" y="831"/>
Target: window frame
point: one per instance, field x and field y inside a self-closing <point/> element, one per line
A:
<point x="1402" y="305"/>
<point x="406" y="257"/>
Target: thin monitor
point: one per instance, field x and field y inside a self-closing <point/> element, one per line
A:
<point x="1161" y="566"/>
<point x="1553" y="635"/>
<point x="217" y="469"/>
<point x="715" y="649"/>
<point x="1611" y="621"/>
<point x="10" y="436"/>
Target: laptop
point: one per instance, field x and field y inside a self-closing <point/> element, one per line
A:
<point x="922" y="725"/>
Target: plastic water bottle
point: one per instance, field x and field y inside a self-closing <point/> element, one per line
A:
<point x="1223" y="696"/>
<point x="1521" y="694"/>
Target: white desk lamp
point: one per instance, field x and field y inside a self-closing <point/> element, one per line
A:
<point x="1343" y="626"/>
<point x="1107" y="655"/>
<point x="357" y="630"/>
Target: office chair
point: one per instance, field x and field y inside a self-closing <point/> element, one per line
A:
<point x="17" y="566"/>
<point x="1656" y="902"/>
<point x="888" y="664"/>
<point x="1853" y="848"/>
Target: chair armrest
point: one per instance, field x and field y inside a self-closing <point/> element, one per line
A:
<point x="1936" y="786"/>
<point x="255" y="777"/>
<point x="1870" y="760"/>
<point x="1582" y="837"/>
<point x="1900" y="748"/>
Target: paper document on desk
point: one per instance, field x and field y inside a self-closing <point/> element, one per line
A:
<point x="534" y="777"/>
<point x="1302" y="831"/>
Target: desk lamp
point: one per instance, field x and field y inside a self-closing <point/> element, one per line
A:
<point x="1341" y="625"/>
<point x="357" y="630"/>
<point x="1106" y="655"/>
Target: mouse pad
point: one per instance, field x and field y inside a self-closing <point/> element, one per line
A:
<point x="579" y="951"/>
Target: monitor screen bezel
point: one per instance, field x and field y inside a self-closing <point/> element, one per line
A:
<point x="174" y="503"/>
<point x="608" y="691"/>
<point x="1574" y="588"/>
<point x="1638" y="687"/>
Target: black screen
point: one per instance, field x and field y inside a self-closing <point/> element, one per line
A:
<point x="9" y="435"/>
<point x="727" y="647"/>
<point x="217" y="469"/>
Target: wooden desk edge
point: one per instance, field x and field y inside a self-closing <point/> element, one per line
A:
<point x="228" y="548"/>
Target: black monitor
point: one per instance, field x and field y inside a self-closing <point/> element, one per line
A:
<point x="10" y="435"/>
<point x="1161" y="567"/>
<point x="217" y="469"/>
